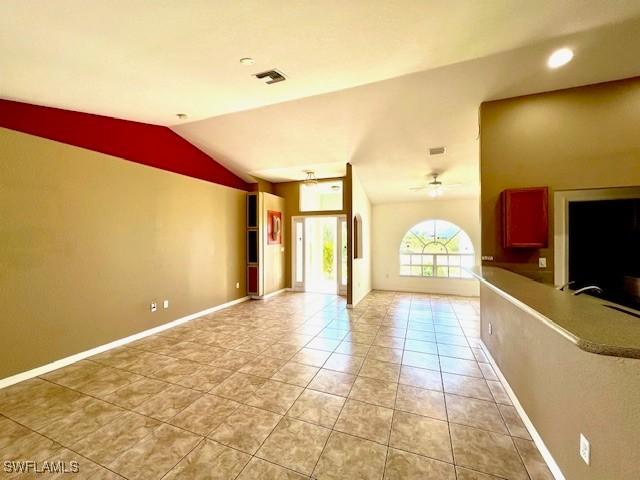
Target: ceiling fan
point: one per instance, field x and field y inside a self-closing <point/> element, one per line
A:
<point x="435" y="188"/>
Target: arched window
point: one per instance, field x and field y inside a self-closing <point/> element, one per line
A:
<point x="436" y="248"/>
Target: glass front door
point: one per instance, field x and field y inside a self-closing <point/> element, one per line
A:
<point x="319" y="254"/>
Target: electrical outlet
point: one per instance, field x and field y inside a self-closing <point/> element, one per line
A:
<point x="165" y="304"/>
<point x="488" y="258"/>
<point x="542" y="262"/>
<point x="490" y="329"/>
<point x="154" y="306"/>
<point x="585" y="449"/>
<point x="237" y="284"/>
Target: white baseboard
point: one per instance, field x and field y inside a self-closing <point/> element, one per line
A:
<point x="434" y="291"/>
<point x="63" y="362"/>
<point x="537" y="439"/>
<point x="269" y="295"/>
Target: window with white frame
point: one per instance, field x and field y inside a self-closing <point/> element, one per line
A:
<point x="436" y="248"/>
<point x="323" y="196"/>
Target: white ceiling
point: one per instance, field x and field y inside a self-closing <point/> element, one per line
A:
<point x="147" y="61"/>
<point x="386" y="128"/>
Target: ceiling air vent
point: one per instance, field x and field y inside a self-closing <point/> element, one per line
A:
<point x="437" y="150"/>
<point x="271" y="76"/>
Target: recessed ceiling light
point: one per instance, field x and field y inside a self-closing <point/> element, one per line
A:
<point x="247" y="61"/>
<point x="560" y="57"/>
<point x="182" y="116"/>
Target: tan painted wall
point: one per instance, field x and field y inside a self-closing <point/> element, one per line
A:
<point x="262" y="186"/>
<point x="566" y="391"/>
<point x="579" y="138"/>
<point x="87" y="241"/>
<point x="290" y="191"/>
<point x="274" y="255"/>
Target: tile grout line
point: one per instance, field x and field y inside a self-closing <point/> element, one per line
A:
<point x="203" y="437"/>
<point x="283" y="416"/>
<point x="201" y="441"/>
<point x="268" y="436"/>
<point x="444" y="399"/>
<point x="455" y="469"/>
<point x="395" y="400"/>
<point x="116" y="418"/>
<point x="64" y="447"/>
<point x="336" y="421"/>
<point x="380" y="323"/>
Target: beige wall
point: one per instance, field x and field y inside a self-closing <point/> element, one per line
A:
<point x="262" y="186"/>
<point x="391" y="222"/>
<point x="361" y="267"/>
<point x="87" y="241"/>
<point x="579" y="138"/>
<point x="566" y="391"/>
<point x="274" y="255"/>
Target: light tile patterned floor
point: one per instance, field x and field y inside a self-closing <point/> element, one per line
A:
<point x="288" y="388"/>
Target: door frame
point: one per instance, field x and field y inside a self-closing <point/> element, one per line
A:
<point x="295" y="285"/>
<point x="561" y="200"/>
<point x="301" y="286"/>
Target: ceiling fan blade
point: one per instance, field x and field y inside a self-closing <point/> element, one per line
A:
<point x="453" y="185"/>
<point x="417" y="189"/>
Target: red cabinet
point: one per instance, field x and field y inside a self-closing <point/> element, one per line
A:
<point x="525" y="219"/>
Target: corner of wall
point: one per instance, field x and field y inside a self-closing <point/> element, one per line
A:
<point x="362" y="266"/>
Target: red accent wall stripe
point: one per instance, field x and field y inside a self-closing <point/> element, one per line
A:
<point x="152" y="145"/>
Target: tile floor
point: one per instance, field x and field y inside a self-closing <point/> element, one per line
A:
<point x="289" y="388"/>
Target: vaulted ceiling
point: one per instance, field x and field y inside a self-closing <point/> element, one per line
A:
<point x="372" y="82"/>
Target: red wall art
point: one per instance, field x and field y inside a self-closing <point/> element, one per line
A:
<point x="274" y="227"/>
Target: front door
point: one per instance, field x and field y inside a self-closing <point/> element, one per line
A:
<point x="319" y="254"/>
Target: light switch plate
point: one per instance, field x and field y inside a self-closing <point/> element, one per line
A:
<point x="542" y="262"/>
<point x="166" y="304"/>
<point x="154" y="306"/>
<point x="585" y="449"/>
